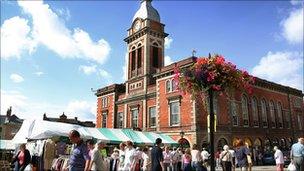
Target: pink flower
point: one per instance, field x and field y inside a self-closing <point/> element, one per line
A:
<point x="211" y="76"/>
<point x="216" y="87"/>
<point x="219" y="60"/>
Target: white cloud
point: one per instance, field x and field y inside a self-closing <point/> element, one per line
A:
<point x="168" y="42"/>
<point x="124" y="68"/>
<point x="285" y="68"/>
<point x="49" y="30"/>
<point x="105" y="76"/>
<point x="24" y="108"/>
<point x="293" y="27"/>
<point x="15" y="38"/>
<point x="65" y="13"/>
<point x="16" y="78"/>
<point x="39" y="73"/>
<point x="168" y="60"/>
<point x="81" y="109"/>
<point x="14" y="99"/>
<point x="87" y="69"/>
<point x="296" y="2"/>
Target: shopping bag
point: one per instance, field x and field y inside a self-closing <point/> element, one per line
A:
<point x="291" y="167"/>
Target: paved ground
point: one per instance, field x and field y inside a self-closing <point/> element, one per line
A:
<point x="259" y="168"/>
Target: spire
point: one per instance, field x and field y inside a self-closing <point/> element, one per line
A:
<point x="146" y="11"/>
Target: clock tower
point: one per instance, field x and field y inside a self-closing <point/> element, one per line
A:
<point x="145" y="47"/>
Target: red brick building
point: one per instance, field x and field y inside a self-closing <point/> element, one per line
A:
<point x="149" y="101"/>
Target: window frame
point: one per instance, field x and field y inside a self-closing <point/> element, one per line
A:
<point x="132" y="117"/>
<point x="150" y="118"/>
<point x="245" y="110"/>
<point x="177" y="101"/>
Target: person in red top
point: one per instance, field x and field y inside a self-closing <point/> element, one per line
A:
<point x="22" y="159"/>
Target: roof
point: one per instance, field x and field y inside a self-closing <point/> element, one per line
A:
<point x="146" y="11"/>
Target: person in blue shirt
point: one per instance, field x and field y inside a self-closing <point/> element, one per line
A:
<point x="297" y="154"/>
<point x="79" y="159"/>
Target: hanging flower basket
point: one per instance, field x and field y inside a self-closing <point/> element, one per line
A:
<point x="213" y="73"/>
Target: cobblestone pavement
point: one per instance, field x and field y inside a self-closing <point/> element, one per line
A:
<point x="257" y="168"/>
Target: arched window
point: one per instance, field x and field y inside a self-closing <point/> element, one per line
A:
<point x="264" y="113"/>
<point x="245" y="110"/>
<point x="174" y="85"/>
<point x="233" y="112"/>
<point x="133" y="58"/>
<point x="155" y="56"/>
<point x="139" y="60"/>
<point x="272" y="114"/>
<point x="255" y="114"/>
<point x="168" y="86"/>
<point x="280" y="117"/>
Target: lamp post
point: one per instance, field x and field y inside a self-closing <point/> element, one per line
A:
<point x="211" y="121"/>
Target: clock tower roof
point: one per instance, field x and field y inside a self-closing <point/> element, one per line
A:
<point x="146" y="11"/>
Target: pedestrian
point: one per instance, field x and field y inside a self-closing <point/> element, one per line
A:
<point x="226" y="158"/>
<point x="79" y="159"/>
<point x="180" y="161"/>
<point x="187" y="160"/>
<point x="241" y="152"/>
<point x="114" y="160"/>
<point x="249" y="158"/>
<point x="22" y="158"/>
<point x="233" y="159"/>
<point x="196" y="158"/>
<point x="130" y="154"/>
<point x="205" y="157"/>
<point x="279" y="158"/>
<point x="121" y="156"/>
<point x="175" y="159"/>
<point x="297" y="154"/>
<point x="167" y="159"/>
<point x="157" y="157"/>
<point x="217" y="158"/>
<point x="146" y="160"/>
<point x="90" y="145"/>
<point x="97" y="161"/>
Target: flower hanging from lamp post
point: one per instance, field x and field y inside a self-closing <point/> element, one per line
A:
<point x="211" y="74"/>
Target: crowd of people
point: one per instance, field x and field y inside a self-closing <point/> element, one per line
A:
<point x="91" y="156"/>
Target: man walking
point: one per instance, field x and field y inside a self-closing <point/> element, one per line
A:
<point x="297" y="154"/>
<point x="79" y="159"/>
<point x="279" y="158"/>
<point x="157" y="156"/>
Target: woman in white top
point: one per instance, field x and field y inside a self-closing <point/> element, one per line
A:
<point x="121" y="164"/>
<point x="226" y="158"/>
<point x="278" y="156"/>
<point x="130" y="154"/>
<point x="196" y="158"/>
<point x="167" y="159"/>
<point x="147" y="160"/>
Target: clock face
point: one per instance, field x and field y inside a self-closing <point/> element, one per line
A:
<point x="137" y="26"/>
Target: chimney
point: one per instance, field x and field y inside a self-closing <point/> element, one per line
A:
<point x="76" y="118"/>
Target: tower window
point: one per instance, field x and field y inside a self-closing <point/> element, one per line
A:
<point x="139" y="57"/>
<point x="155" y="57"/>
<point x="133" y="60"/>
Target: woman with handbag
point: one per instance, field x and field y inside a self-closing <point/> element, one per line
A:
<point x="226" y="158"/>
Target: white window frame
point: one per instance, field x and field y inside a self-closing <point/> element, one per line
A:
<point x="104" y="101"/>
<point x="118" y="120"/>
<point x="169" y="109"/>
<point x="168" y="86"/>
<point x="150" y="118"/>
<point x="132" y="117"/>
<point x="104" y="115"/>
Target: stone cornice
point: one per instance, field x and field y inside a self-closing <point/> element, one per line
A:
<point x="119" y="88"/>
<point x="139" y="97"/>
<point x="144" y="31"/>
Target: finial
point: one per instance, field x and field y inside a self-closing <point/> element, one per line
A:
<point x="193" y="52"/>
<point x="209" y="56"/>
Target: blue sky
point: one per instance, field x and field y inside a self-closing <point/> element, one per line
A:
<point x="53" y="53"/>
